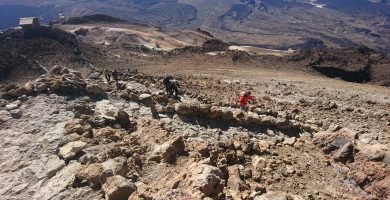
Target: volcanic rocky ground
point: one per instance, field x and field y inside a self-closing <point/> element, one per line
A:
<point x="69" y="134"/>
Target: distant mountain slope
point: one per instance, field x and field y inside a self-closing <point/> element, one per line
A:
<point x="280" y="24"/>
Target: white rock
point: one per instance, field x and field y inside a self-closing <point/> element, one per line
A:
<point x="71" y="149"/>
<point x="143" y="97"/>
<point x="289" y="141"/>
<point x="13" y="105"/>
<point x="105" y="109"/>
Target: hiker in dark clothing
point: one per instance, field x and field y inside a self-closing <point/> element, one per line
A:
<point x="171" y="86"/>
<point x="115" y="76"/>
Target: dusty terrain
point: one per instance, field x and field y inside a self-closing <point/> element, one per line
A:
<point x="69" y="134"/>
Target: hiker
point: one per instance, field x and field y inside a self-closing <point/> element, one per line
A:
<point x="107" y="74"/>
<point x="245" y="97"/>
<point x="171" y="86"/>
<point x="115" y="76"/>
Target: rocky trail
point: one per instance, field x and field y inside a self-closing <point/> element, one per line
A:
<point x="66" y="136"/>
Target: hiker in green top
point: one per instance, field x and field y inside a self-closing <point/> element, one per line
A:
<point x="107" y="74"/>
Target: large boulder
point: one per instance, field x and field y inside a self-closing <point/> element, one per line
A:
<point x="376" y="152"/>
<point x="103" y="132"/>
<point x="123" y="119"/>
<point x="330" y="141"/>
<point x="106" y="110"/>
<point x="16" y="114"/>
<point x="28" y="87"/>
<point x="226" y="113"/>
<point x="16" y="92"/>
<point x="14" y="105"/>
<point x="4" y="116"/>
<point x="183" y="109"/>
<point x="95" y="89"/>
<point x="91" y="173"/>
<point x="251" y="118"/>
<point x="382" y="188"/>
<point x="40" y="86"/>
<point x="207" y="179"/>
<point x="118" y="188"/>
<point x="63" y="180"/>
<point x="60" y="79"/>
<point x="267" y="120"/>
<point x="135" y="87"/>
<point x="118" y="166"/>
<point x="53" y="165"/>
<point x="71" y="149"/>
<point x="234" y="182"/>
<point x="77" y="126"/>
<point x="169" y="150"/>
<point x="144" y="97"/>
<point x="70" y="84"/>
<point x="204" y="108"/>
<point x="345" y="153"/>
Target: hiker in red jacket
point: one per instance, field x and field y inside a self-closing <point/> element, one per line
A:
<point x="245" y="97"/>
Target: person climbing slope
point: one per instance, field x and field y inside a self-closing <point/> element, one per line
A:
<point x="171" y="86"/>
<point x="107" y="74"/>
<point x="115" y="76"/>
<point x="245" y="97"/>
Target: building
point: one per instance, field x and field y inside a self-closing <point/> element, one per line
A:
<point x="29" y="23"/>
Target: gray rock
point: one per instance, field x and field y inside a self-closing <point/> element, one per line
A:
<point x="123" y="119"/>
<point x="95" y="90"/>
<point x="226" y="113"/>
<point x="207" y="179"/>
<point x="23" y="98"/>
<point x="58" y="183"/>
<point x="5" y="116"/>
<point x="183" y="108"/>
<point x="330" y="141"/>
<point x="16" y="113"/>
<point x="53" y="165"/>
<point x="137" y="88"/>
<point x="3" y="102"/>
<point x="345" y="153"/>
